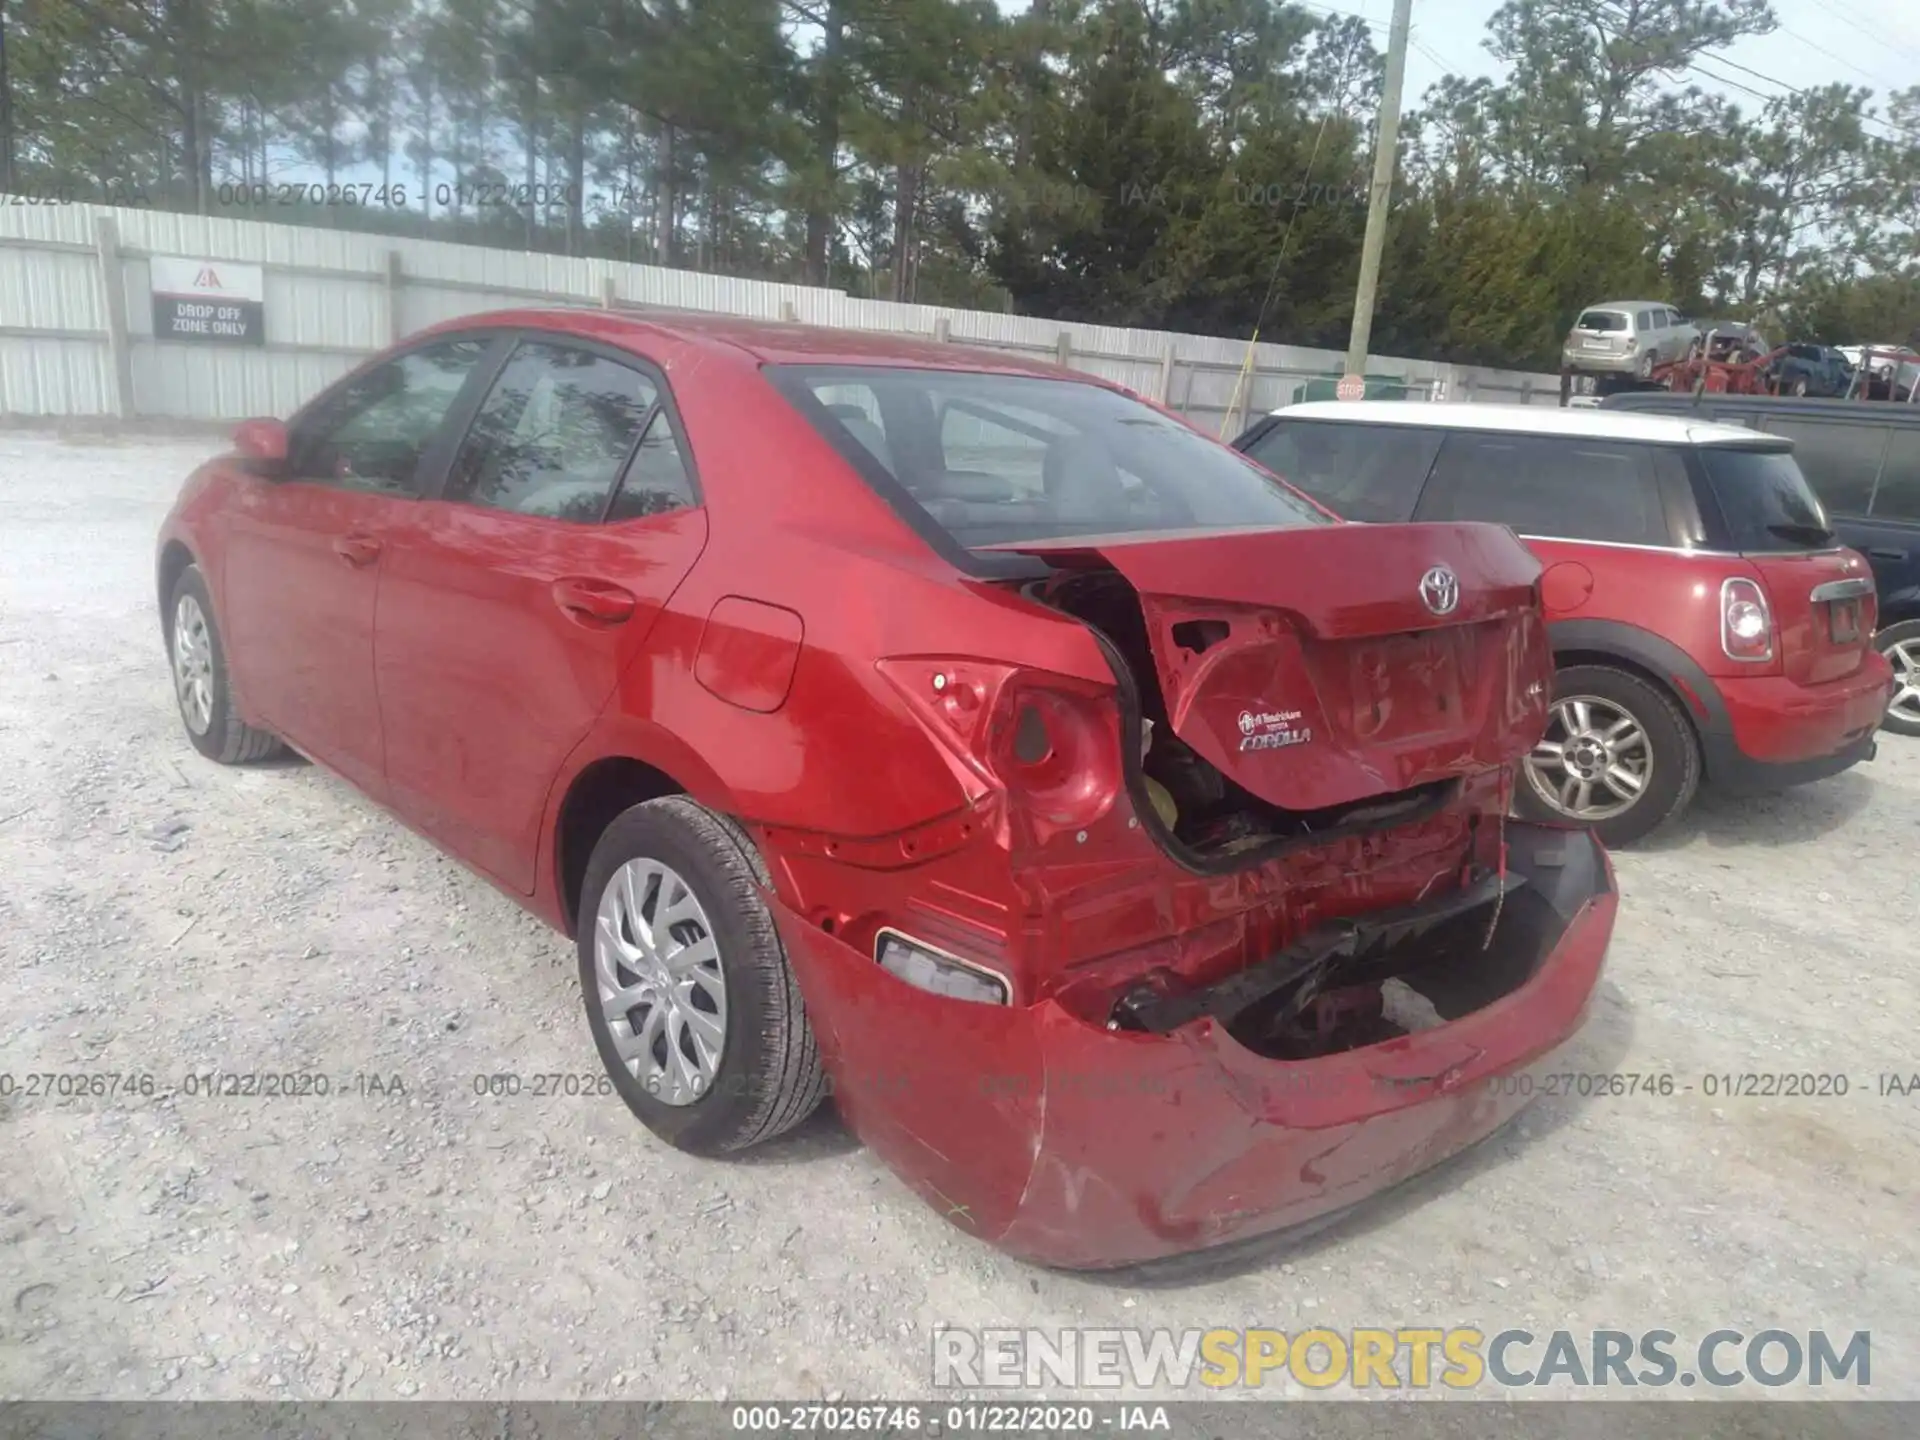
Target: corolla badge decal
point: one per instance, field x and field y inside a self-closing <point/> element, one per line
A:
<point x="1440" y="588"/>
<point x="1272" y="729"/>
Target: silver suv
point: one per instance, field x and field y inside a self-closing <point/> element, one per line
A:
<point x="1626" y="337"/>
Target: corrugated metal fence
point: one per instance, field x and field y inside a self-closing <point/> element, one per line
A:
<point x="76" y="334"/>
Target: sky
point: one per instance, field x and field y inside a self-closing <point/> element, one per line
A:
<point x="1875" y="43"/>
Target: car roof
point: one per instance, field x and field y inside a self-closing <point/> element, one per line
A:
<point x="1824" y="407"/>
<point x="1625" y="305"/>
<point x="1581" y="422"/>
<point x="772" y="342"/>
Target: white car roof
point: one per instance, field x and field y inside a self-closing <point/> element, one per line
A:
<point x="1582" y="422"/>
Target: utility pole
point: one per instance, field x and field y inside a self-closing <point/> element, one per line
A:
<point x="6" y="108"/>
<point x="1383" y="152"/>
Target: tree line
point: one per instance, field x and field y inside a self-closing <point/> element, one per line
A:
<point x="1196" y="165"/>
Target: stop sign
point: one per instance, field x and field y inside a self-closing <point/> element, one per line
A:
<point x="1351" y="387"/>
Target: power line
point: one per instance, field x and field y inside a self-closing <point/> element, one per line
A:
<point x="1816" y="45"/>
<point x="1865" y="119"/>
<point x="1878" y="39"/>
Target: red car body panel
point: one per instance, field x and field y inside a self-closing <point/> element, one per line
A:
<point x="770" y="650"/>
<point x="1814" y="698"/>
<point x="1396" y="695"/>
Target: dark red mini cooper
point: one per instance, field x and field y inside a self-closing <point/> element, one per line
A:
<point x="1117" y="835"/>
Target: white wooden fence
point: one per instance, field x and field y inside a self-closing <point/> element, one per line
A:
<point x="76" y="333"/>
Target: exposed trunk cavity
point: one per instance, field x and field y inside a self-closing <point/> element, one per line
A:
<point x="1207" y="818"/>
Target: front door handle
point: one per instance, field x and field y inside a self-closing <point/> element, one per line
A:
<point x="598" y="602"/>
<point x="1886" y="554"/>
<point x="357" y="550"/>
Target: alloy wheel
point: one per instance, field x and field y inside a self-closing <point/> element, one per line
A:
<point x="1904" y="656"/>
<point x="1594" y="762"/>
<point x="660" y="984"/>
<point x="193" y="664"/>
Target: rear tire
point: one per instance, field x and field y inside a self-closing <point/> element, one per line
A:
<point x="1900" y="643"/>
<point x="678" y="951"/>
<point x="1800" y="386"/>
<point x="1643" y="368"/>
<point x="1608" y="725"/>
<point x="202" y="684"/>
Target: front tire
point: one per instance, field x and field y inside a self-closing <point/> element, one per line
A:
<point x="202" y="684"/>
<point x="1618" y="756"/>
<point x="1900" y="643"/>
<point x="692" y="1005"/>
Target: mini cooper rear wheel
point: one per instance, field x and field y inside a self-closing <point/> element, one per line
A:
<point x="692" y="1005"/>
<point x="1901" y="645"/>
<point x="201" y="684"/>
<point x="1618" y="756"/>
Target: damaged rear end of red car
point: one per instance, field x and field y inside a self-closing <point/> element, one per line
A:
<point x="1232" y="930"/>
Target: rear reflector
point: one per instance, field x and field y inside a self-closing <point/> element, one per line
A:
<point x="937" y="973"/>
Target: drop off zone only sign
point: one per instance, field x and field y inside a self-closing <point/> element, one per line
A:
<point x="208" y="301"/>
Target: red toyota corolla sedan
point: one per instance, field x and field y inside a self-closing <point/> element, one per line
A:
<point x="1117" y="835"/>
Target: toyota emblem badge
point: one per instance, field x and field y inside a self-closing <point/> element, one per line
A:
<point x="1440" y="588"/>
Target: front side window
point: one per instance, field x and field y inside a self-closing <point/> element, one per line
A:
<point x="1007" y="459"/>
<point x="1567" y="488"/>
<point x="372" y="432"/>
<point x="553" y="434"/>
<point x="1361" y="472"/>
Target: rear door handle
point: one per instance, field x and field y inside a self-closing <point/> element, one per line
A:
<point x="1886" y="554"/>
<point x="357" y="550"/>
<point x="597" y="601"/>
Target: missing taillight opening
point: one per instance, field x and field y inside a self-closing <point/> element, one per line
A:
<point x="1051" y="742"/>
<point x="1059" y="754"/>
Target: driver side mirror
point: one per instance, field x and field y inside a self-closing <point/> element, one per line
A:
<point x="262" y="445"/>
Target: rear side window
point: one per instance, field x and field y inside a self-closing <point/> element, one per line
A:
<point x="1362" y="472"/>
<point x="1607" y="320"/>
<point x="657" y="480"/>
<point x="1898" y="497"/>
<point x="1643" y="320"/>
<point x="991" y="459"/>
<point x="1838" y="459"/>
<point x="1766" y="502"/>
<point x="553" y="434"/>
<point x="1550" y="487"/>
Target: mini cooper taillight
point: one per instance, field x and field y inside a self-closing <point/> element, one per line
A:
<point x="1746" y="622"/>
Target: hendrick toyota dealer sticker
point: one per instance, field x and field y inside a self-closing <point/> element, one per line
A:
<point x="211" y="301"/>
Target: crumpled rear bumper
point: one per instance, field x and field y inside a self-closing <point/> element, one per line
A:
<point x="1084" y="1147"/>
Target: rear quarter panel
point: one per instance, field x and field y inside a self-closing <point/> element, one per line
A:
<point x="1667" y="593"/>
<point x="791" y="526"/>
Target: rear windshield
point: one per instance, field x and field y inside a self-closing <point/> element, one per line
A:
<point x="1766" y="501"/>
<point x="1601" y="320"/>
<point x="1001" y="459"/>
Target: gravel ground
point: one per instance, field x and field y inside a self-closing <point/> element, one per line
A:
<point x="405" y="1236"/>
